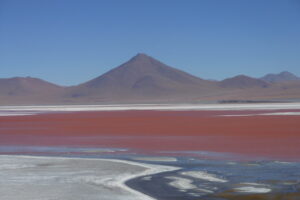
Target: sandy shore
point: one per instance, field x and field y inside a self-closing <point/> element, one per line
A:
<point x="38" y="178"/>
<point x="31" y="110"/>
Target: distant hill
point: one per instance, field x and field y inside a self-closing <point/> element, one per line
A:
<point x="144" y="79"/>
<point x="20" y="86"/>
<point x="242" y="82"/>
<point x="281" y="77"/>
<point x="27" y="90"/>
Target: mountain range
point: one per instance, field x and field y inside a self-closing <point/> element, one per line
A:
<point x="281" y="77"/>
<point x="144" y="79"/>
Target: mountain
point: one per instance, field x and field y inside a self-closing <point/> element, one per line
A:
<point x="142" y="78"/>
<point x="19" y="86"/>
<point x="281" y="77"/>
<point x="242" y="82"/>
<point x="26" y="90"/>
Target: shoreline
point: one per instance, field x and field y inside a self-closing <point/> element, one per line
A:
<point x="41" y="109"/>
<point x="150" y="169"/>
<point x="123" y="178"/>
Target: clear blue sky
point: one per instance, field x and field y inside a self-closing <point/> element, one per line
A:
<point x="72" y="41"/>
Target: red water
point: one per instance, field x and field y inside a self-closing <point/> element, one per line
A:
<point x="268" y="136"/>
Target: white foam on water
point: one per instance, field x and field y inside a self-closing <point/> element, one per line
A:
<point x="283" y="162"/>
<point x="156" y="159"/>
<point x="265" y="114"/>
<point x="3" y="114"/>
<point x="254" y="184"/>
<point x="181" y="183"/>
<point x="185" y="184"/>
<point x="282" y="113"/>
<point x="251" y="189"/>
<point x="147" y="178"/>
<point x="203" y="176"/>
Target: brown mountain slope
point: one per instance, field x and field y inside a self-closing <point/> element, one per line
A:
<point x="27" y="90"/>
<point x="281" y="77"/>
<point x="242" y="82"/>
<point x="143" y="78"/>
<point x="19" y="86"/>
<point x="289" y="91"/>
<point x="246" y="88"/>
